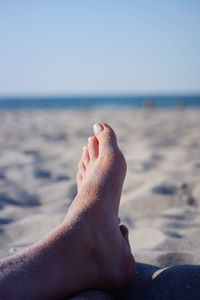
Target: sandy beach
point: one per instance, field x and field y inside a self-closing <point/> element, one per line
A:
<point x="161" y="197"/>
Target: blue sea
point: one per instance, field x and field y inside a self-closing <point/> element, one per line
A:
<point x="189" y="101"/>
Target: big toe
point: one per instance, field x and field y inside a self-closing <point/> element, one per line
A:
<point x="105" y="135"/>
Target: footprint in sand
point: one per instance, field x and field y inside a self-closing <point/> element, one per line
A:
<point x="18" y="197"/>
<point x="182" y="191"/>
<point x="5" y="221"/>
<point x="2" y="175"/>
<point x="196" y="193"/>
<point x="42" y="174"/>
<point x="48" y="175"/>
<point x="165" y="189"/>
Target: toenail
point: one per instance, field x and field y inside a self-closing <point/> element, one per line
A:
<point x="89" y="139"/>
<point x="97" y="128"/>
<point x="84" y="148"/>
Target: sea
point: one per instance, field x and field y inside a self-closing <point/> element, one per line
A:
<point x="66" y="102"/>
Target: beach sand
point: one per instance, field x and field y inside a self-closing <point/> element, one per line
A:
<point x="161" y="197"/>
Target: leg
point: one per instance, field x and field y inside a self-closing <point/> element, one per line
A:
<point x="92" y="295"/>
<point x="151" y="282"/>
<point x="86" y="251"/>
<point x="100" y="295"/>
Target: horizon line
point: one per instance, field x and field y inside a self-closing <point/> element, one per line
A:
<point x="96" y="95"/>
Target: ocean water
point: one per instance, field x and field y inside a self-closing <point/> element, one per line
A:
<point x="99" y="101"/>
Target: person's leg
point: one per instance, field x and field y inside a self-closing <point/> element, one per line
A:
<point x="88" y="250"/>
<point x="153" y="283"/>
<point x="92" y="295"/>
<point x="97" y="294"/>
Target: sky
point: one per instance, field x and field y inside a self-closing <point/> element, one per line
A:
<point x="76" y="47"/>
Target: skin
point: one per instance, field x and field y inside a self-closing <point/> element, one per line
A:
<point x="88" y="250"/>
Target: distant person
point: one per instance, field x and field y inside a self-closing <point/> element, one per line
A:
<point x="149" y="105"/>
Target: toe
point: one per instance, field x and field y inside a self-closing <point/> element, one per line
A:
<point x="85" y="156"/>
<point x="78" y="178"/>
<point x="105" y="135"/>
<point x="81" y="168"/>
<point x="93" y="147"/>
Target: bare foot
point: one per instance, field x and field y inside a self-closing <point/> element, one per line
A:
<point x="88" y="250"/>
<point x="101" y="172"/>
<point x="100" y="178"/>
<point x="97" y="294"/>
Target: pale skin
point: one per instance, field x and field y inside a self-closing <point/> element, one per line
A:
<point x="88" y="250"/>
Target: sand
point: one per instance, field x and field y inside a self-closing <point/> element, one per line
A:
<point x="161" y="197"/>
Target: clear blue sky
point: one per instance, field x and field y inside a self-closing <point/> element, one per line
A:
<point x="106" y="46"/>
